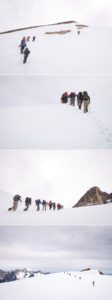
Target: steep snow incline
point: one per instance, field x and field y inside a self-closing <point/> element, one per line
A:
<point x="89" y="52"/>
<point x="89" y="215"/>
<point x="64" y="285"/>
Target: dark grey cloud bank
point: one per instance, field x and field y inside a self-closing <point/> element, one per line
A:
<point x="56" y="248"/>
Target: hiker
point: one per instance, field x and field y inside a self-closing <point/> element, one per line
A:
<point x="38" y="202"/>
<point x="54" y="205"/>
<point x="50" y="204"/>
<point x="27" y="203"/>
<point x="28" y="38"/>
<point x="26" y="52"/>
<point x="22" y="45"/>
<point x="79" y="99"/>
<point x="59" y="206"/>
<point x="78" y="31"/>
<point x="72" y="98"/>
<point x="86" y="101"/>
<point x="93" y="283"/>
<point x="33" y="40"/>
<point x="16" y="200"/>
<point x="64" y="97"/>
<point x="44" y="204"/>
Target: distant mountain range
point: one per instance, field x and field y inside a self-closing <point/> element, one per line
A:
<point x="94" y="196"/>
<point x="7" y="276"/>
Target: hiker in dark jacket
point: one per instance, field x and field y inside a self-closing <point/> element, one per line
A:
<point x="86" y="101"/>
<point x="26" y="52"/>
<point x="33" y="40"/>
<point x="27" y="203"/>
<point x="72" y="98"/>
<point x="80" y="99"/>
<point x="38" y="202"/>
<point x="16" y="200"/>
<point x="54" y="205"/>
<point x="22" y="45"/>
<point x="50" y="204"/>
<point x="64" y="97"/>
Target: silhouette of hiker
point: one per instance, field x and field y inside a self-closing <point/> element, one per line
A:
<point x="26" y="52"/>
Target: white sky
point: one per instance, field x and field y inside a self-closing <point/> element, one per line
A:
<point x="56" y="248"/>
<point x="60" y="175"/>
<point x="23" y="13"/>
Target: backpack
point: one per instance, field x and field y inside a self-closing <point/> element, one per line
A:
<point x="72" y="95"/>
<point x="43" y="202"/>
<point x="16" y="198"/>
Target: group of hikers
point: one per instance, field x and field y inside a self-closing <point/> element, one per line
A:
<point x="83" y="99"/>
<point x="77" y="276"/>
<point x="24" y="48"/>
<point x="39" y="203"/>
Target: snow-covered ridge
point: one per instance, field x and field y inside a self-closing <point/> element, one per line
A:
<point x="79" y="26"/>
<point x="70" y="285"/>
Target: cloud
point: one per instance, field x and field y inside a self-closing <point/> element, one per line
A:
<point x="56" y="247"/>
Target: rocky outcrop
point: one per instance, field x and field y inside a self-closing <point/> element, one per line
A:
<point x="58" y="32"/>
<point x="9" y="276"/>
<point x="94" y="196"/>
<point x="89" y="269"/>
<point x="6" y="276"/>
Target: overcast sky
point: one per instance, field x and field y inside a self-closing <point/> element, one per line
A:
<point x="62" y="176"/>
<point x="15" y="13"/>
<point x="56" y="248"/>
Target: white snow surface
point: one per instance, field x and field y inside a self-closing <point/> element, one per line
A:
<point x="88" y="215"/>
<point x="66" y="286"/>
<point x="87" y="53"/>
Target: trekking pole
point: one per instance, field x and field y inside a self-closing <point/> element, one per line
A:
<point x="21" y="58"/>
<point x="89" y="108"/>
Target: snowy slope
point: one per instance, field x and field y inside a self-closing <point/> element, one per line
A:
<point x="56" y="59"/>
<point x="65" y="285"/>
<point x="58" y="54"/>
<point x="89" y="215"/>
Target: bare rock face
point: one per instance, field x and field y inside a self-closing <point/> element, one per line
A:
<point x="89" y="269"/>
<point x="94" y="196"/>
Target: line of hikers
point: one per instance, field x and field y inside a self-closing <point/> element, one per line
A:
<point x="82" y="99"/>
<point x="28" y="201"/>
<point x="24" y="48"/>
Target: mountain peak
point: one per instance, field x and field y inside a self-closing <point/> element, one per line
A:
<point x="93" y="196"/>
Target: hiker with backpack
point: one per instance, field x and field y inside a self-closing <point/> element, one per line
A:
<point x="44" y="204"/>
<point x="50" y="204"/>
<point x="59" y="206"/>
<point x="28" y="38"/>
<point x="22" y="45"/>
<point x="72" y="98"/>
<point x="64" y="97"/>
<point x="27" y="203"/>
<point x="54" y="205"/>
<point x="86" y="101"/>
<point x="16" y="200"/>
<point x="38" y="202"/>
<point x="33" y="39"/>
<point x="79" y="99"/>
<point x="26" y="53"/>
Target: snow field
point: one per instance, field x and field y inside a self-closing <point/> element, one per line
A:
<point x="59" y="285"/>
